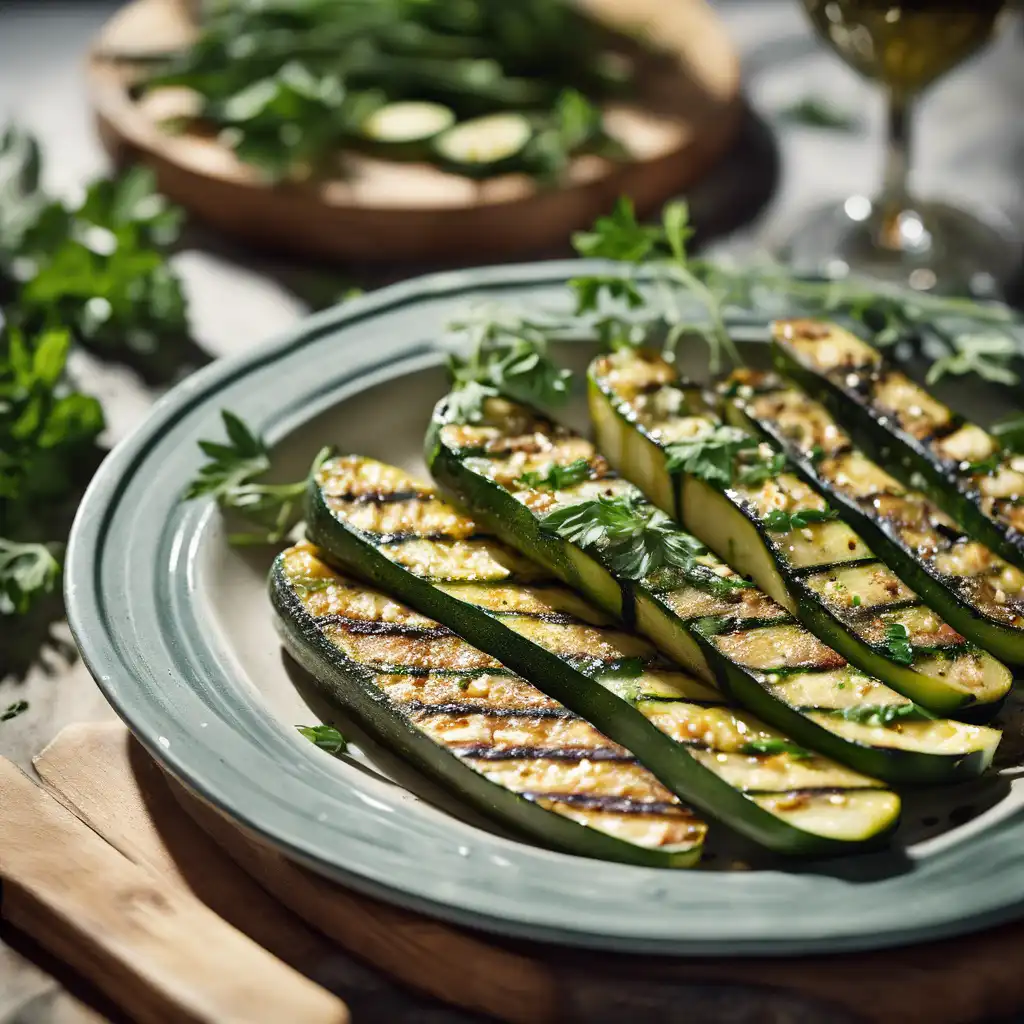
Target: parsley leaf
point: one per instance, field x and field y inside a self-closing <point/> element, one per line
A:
<point x="988" y="355"/>
<point x="27" y="572"/>
<point x="710" y="456"/>
<point x="231" y="478"/>
<point x="754" y="473"/>
<point x="557" y="477"/>
<point x="776" y="745"/>
<point x="778" y="521"/>
<point x="897" y="643"/>
<point x="635" y="537"/>
<point x="508" y="356"/>
<point x="326" y="737"/>
<point x="986" y="467"/>
<point x="882" y="714"/>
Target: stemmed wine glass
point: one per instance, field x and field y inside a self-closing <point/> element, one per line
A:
<point x="906" y="45"/>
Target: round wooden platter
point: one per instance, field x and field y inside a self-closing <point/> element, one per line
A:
<point x="687" y="115"/>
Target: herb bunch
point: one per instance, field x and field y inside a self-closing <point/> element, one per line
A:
<point x="291" y="86"/>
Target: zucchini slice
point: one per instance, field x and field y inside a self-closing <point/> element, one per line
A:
<point x="404" y="130"/>
<point x="737" y="635"/>
<point x="361" y="513"/>
<point x="512" y="752"/>
<point x="918" y="439"/>
<point x="485" y="146"/>
<point x="977" y="592"/>
<point x="815" y="567"/>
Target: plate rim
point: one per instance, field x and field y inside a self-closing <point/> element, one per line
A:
<point x="92" y="634"/>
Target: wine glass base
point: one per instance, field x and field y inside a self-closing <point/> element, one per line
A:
<point x="933" y="247"/>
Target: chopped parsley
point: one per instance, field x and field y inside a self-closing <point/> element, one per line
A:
<point x="897" y="643"/>
<point x="556" y="477"/>
<point x="882" y="714"/>
<point x="778" y="521"/>
<point x="776" y="745"/>
<point x="326" y="737"/>
<point x="711" y="456"/>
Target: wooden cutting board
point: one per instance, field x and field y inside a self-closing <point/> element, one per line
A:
<point x="111" y="783"/>
<point x="687" y="114"/>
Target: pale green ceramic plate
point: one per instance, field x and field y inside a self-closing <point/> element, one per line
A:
<point x="177" y="630"/>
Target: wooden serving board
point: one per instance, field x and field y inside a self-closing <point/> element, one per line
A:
<point x="688" y="113"/>
<point x="102" y="775"/>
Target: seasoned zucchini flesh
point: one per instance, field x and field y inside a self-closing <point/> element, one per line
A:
<point x="916" y="437"/>
<point x="703" y="615"/>
<point x="978" y="592"/>
<point x="701" y="744"/>
<point x="559" y="777"/>
<point x="770" y="524"/>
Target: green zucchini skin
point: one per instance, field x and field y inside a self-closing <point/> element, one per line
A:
<point x="912" y="435"/>
<point x="683" y="730"/>
<point x="754" y="648"/>
<point x="984" y="601"/>
<point x="581" y="817"/>
<point x="639" y="406"/>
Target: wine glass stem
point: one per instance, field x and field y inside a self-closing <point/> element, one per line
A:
<point x="895" y="195"/>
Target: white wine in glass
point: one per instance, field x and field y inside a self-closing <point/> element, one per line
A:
<point x="906" y="45"/>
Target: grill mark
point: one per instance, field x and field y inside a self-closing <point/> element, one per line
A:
<point x="407" y="536"/>
<point x="841" y="452"/>
<point x="662" y="699"/>
<point x="811" y="570"/>
<point x="482" y="752"/>
<point x="420" y="672"/>
<point x="814" y="791"/>
<point x="382" y="497"/>
<point x="423" y="710"/>
<point x="612" y="804"/>
<point x="371" y="627"/>
<point x="941" y="432"/>
<point x="554" y="618"/>
<point x="871" y="611"/>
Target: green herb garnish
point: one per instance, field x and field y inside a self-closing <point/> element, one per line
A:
<point x="776" y="745"/>
<point x="636" y="537"/>
<point x="816" y="454"/>
<point x="897" y="643"/>
<point x="882" y="714"/>
<point x="752" y="474"/>
<point x="231" y="477"/>
<point x="986" y="467"/>
<point x="779" y="521"/>
<point x="1010" y="433"/>
<point x="326" y="737"/>
<point x="988" y="355"/>
<point x="507" y="356"/>
<point x="855" y="601"/>
<point x="27" y="573"/>
<point x="710" y="456"/>
<point x="556" y="477"/>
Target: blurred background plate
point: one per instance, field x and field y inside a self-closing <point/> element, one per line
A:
<point x="688" y="113"/>
<point x="177" y="630"/>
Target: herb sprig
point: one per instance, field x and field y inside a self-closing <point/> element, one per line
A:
<point x="326" y="737"/>
<point x="776" y="745"/>
<point x="636" y="537"/>
<point x="503" y="355"/>
<point x="232" y="477"/>
<point x="724" y="456"/>
<point x="882" y="714"/>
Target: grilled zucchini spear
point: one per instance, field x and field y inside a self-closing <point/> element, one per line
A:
<point x="499" y="742"/>
<point x="915" y="437"/>
<point x="695" y="613"/>
<point x="975" y="590"/>
<point x="392" y="529"/>
<point x="737" y="496"/>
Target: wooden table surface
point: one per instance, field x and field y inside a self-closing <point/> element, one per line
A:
<point x="970" y="145"/>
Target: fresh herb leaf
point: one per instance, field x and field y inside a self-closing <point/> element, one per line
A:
<point x="776" y="745"/>
<point x="986" y="467"/>
<point x="988" y="355"/>
<point x="619" y="236"/>
<point x="508" y="356"/>
<point x="626" y="668"/>
<point x="855" y="601"/>
<point x="897" y="643"/>
<point x="816" y="454"/>
<point x="231" y="476"/>
<point x="326" y="737"/>
<point x="556" y="477"/>
<point x="882" y="714"/>
<point x="27" y="573"/>
<point x="752" y="474"/>
<point x="13" y="710"/>
<point x="779" y="521"/>
<point x="817" y="113"/>
<point x="636" y="538"/>
<point x="711" y="456"/>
